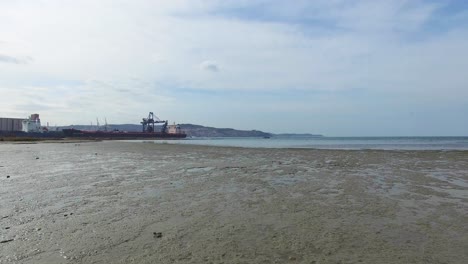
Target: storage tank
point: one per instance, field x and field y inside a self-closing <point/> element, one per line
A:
<point x="17" y="124"/>
<point x="11" y="124"/>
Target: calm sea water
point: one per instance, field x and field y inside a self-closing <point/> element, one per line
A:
<point x="385" y="143"/>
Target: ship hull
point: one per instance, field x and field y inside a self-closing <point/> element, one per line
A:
<point x="33" y="135"/>
<point x="75" y="133"/>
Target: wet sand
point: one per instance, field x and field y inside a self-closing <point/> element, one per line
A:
<point x="116" y="202"/>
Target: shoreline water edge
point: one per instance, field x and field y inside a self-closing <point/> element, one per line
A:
<point x="345" y="143"/>
<point x="124" y="202"/>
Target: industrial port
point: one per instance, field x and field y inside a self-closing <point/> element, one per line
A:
<point x="31" y="128"/>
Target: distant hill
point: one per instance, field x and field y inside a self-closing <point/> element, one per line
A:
<point x="202" y="131"/>
<point x="198" y="131"/>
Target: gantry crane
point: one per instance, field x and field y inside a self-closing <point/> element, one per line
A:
<point x="148" y="123"/>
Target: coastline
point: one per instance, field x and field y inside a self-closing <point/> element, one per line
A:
<point x="118" y="202"/>
<point x="349" y="143"/>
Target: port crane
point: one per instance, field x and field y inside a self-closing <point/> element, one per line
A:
<point x="148" y="123"/>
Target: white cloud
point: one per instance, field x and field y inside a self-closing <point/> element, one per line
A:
<point x="158" y="40"/>
<point x="211" y="66"/>
<point x="14" y="60"/>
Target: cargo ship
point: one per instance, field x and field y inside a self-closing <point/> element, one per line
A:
<point x="153" y="128"/>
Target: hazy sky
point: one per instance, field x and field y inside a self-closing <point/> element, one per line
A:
<point x="339" y="68"/>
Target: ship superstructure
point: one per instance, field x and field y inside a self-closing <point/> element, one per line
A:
<point x="33" y="124"/>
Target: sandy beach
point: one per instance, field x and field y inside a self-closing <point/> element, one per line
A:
<point x="117" y="202"/>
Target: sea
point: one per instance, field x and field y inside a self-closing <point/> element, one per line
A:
<point x="345" y="143"/>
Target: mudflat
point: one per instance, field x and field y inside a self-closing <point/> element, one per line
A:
<point x="117" y="202"/>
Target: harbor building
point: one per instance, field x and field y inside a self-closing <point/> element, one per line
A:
<point x="11" y="124"/>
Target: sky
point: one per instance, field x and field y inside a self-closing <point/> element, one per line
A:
<point x="331" y="67"/>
